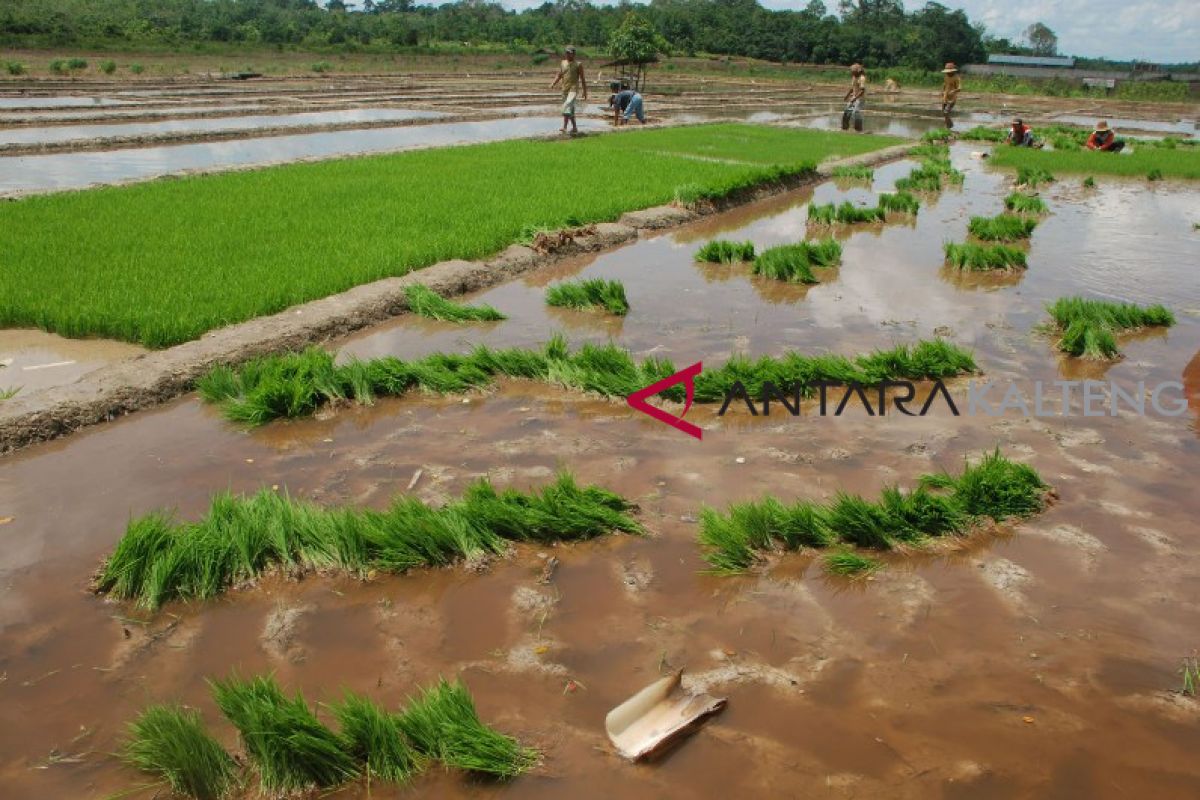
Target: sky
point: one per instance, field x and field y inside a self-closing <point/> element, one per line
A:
<point x="1148" y="30"/>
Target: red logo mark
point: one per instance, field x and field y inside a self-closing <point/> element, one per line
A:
<point x="685" y="376"/>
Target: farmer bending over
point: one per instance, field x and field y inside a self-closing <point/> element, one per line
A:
<point x="1020" y="134"/>
<point x="854" y="98"/>
<point x="1105" y="138"/>
<point x="626" y="103"/>
<point x="570" y="75"/>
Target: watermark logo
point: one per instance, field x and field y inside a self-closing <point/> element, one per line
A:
<point x="686" y="376"/>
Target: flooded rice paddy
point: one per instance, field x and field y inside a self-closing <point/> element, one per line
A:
<point x="1033" y="661"/>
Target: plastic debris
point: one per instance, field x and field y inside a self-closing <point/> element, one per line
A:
<point x="658" y="716"/>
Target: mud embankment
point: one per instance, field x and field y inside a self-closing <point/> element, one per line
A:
<point x="148" y="380"/>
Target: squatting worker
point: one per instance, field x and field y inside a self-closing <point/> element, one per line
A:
<point x="951" y="86"/>
<point x="570" y="75"/>
<point x="626" y="103"/>
<point x="1020" y="134"/>
<point x="854" y="98"/>
<point x="1105" y="139"/>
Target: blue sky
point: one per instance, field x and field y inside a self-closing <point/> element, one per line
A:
<point x="1148" y="30"/>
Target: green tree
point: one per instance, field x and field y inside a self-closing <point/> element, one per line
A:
<point x="636" y="41"/>
<point x="1041" y="39"/>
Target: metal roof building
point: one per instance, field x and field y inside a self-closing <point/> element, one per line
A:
<point x="1059" y="62"/>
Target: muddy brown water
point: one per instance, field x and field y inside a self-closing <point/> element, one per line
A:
<point x="33" y="359"/>
<point x="1033" y="661"/>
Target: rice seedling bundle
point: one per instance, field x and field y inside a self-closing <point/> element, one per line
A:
<point x="442" y="723"/>
<point x="1088" y="328"/>
<point x="846" y="214"/>
<point x="296" y="384"/>
<point x="794" y="262"/>
<point x="291" y="748"/>
<point x="993" y="489"/>
<point x="858" y="173"/>
<point x="589" y="294"/>
<point x="242" y="537"/>
<point x="374" y="738"/>
<point x="1033" y="176"/>
<point x="982" y="134"/>
<point x="984" y="257"/>
<point x="428" y="303"/>
<point x="1002" y="228"/>
<point x="899" y="203"/>
<point x="939" y="151"/>
<point x="1021" y="203"/>
<point x="723" y="251"/>
<point x="850" y="564"/>
<point x="170" y="741"/>
<point x="937" y="135"/>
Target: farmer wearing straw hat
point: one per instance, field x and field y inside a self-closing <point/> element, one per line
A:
<point x="1105" y="138"/>
<point x="854" y="98"/>
<point x="951" y="85"/>
<point x="570" y="75"/>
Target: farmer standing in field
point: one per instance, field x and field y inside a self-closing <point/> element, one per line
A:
<point x="951" y="85"/>
<point x="570" y="75"/>
<point x="854" y="98"/>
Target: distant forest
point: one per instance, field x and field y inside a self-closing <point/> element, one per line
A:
<point x="878" y="33"/>
<point x="875" y="32"/>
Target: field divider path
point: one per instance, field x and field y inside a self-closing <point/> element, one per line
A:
<point x="153" y="378"/>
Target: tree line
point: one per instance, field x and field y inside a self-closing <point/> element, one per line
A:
<point x="874" y="32"/>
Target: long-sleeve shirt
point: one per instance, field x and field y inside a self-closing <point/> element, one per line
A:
<point x="1101" y="140"/>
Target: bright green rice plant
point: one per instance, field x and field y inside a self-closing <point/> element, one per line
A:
<point x="587" y="294"/>
<point x="845" y="214"/>
<point x="1002" y="228"/>
<point x="942" y="505"/>
<point x="984" y="257"/>
<point x="1033" y="176"/>
<point x="937" y="136"/>
<point x="1189" y="669"/>
<point x="938" y="151"/>
<point x="1088" y="328"/>
<point x="442" y="723"/>
<point x="1021" y="203"/>
<point x="856" y="173"/>
<point x="794" y="262"/>
<point x="170" y="741"/>
<point x="899" y="203"/>
<point x="849" y="564"/>
<point x="291" y="748"/>
<point x="241" y="537"/>
<point x="374" y="738"/>
<point x="1155" y="174"/>
<point x="428" y="303"/>
<point x="723" y="251"/>
<point x="982" y="134"/>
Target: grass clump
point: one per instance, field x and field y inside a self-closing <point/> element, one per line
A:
<point x="937" y="136"/>
<point x="855" y="173"/>
<point x="242" y="537"/>
<point x="899" y="203"/>
<point x="201" y="262"/>
<point x="374" y="738"/>
<point x="170" y="741"/>
<point x="723" y="251"/>
<point x="427" y="303"/>
<point x="14" y="68"/>
<point x="1155" y="174"/>
<point x="1021" y="203"/>
<point x="942" y="505"/>
<point x="291" y="748"/>
<point x="1190" y="671"/>
<point x="984" y="257"/>
<point x="929" y="175"/>
<point x="850" y="564"/>
<point x="794" y="262"/>
<point x="442" y="723"/>
<point x="588" y="294"/>
<point x="1002" y="228"/>
<point x="1088" y="328"/>
<point x="845" y="214"/>
<point x="938" y="151"/>
<point x="1089" y="182"/>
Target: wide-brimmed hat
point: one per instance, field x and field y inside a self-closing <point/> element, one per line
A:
<point x="856" y="67"/>
<point x="1101" y="125"/>
<point x="570" y="50"/>
<point x="950" y="67"/>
